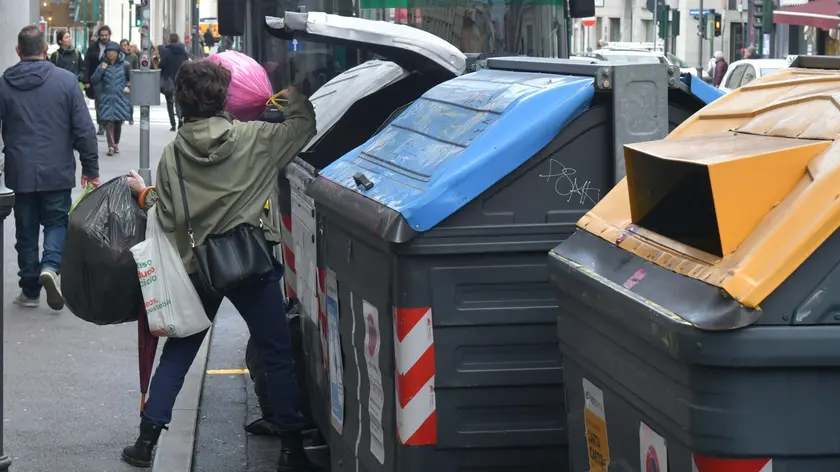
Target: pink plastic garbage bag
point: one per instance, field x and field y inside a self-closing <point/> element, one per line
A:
<point x="249" y="86"/>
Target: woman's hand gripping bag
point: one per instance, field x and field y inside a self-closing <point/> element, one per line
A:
<point x="98" y="273"/>
<point x="249" y="89"/>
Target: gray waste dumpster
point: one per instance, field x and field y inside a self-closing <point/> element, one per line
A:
<point x="433" y="237"/>
<point x="349" y="109"/>
<point x="698" y="310"/>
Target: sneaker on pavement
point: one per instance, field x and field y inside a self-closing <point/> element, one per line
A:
<point x="49" y="280"/>
<point x="24" y="301"/>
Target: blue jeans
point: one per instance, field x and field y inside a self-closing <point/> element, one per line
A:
<point x="262" y="308"/>
<point x="32" y="211"/>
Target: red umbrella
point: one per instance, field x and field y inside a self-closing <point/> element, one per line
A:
<point x="146" y="349"/>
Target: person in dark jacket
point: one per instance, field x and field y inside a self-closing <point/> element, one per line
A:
<point x="112" y="80"/>
<point x="209" y="39"/>
<point x="720" y="68"/>
<point x="172" y="56"/>
<point x="68" y="57"/>
<point x="133" y="59"/>
<point x="93" y="57"/>
<point x="43" y="118"/>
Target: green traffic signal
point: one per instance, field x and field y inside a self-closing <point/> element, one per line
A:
<point x="138" y="15"/>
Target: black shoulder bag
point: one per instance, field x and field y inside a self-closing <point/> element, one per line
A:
<point x="233" y="259"/>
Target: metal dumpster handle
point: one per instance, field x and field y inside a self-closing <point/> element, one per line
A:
<point x="362" y="181"/>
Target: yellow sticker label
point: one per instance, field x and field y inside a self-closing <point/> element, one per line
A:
<point x="595" y="420"/>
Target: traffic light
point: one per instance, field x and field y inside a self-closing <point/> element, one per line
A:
<point x="758" y="14"/>
<point x="663" y="22"/>
<point x="138" y="15"/>
<point x="767" y="21"/>
<point x="675" y="22"/>
<point x="718" y="21"/>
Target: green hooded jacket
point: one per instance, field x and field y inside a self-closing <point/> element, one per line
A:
<point x="230" y="169"/>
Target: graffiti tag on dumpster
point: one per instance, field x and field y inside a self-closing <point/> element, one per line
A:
<point x="566" y="184"/>
<point x="595" y="421"/>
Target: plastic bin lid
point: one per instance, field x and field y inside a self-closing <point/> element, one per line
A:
<point x="754" y="178"/>
<point x="411" y="48"/>
<point x="460" y="138"/>
<point x="333" y="99"/>
<point x="699" y="88"/>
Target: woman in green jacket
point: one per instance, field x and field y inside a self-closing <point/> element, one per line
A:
<point x="229" y="169"/>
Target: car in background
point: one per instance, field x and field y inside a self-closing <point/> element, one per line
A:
<point x="742" y="72"/>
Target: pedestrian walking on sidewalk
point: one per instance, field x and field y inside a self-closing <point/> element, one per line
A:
<point x="44" y="118"/>
<point x="172" y="56"/>
<point x="68" y="57"/>
<point x="133" y="60"/>
<point x="229" y="169"/>
<point x="719" y="69"/>
<point x="93" y="57"/>
<point x="112" y="79"/>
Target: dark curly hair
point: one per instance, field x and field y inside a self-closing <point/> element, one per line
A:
<point x="201" y="89"/>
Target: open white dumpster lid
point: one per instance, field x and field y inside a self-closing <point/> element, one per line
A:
<point x="411" y="48"/>
<point x="334" y="98"/>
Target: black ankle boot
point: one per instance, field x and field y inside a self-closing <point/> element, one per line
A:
<point x="292" y="456"/>
<point x="140" y="454"/>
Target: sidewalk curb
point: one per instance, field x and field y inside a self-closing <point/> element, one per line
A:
<point x="175" y="448"/>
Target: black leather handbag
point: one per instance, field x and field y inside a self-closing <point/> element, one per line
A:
<point x="236" y="258"/>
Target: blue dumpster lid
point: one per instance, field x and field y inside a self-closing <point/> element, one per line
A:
<point x="459" y="139"/>
<point x="700" y="89"/>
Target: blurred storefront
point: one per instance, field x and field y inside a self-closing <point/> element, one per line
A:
<point x="807" y="27"/>
<point x="491" y="26"/>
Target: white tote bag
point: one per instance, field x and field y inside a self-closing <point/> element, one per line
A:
<point x="173" y="307"/>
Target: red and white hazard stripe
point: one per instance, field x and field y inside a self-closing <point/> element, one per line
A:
<point x="289" y="275"/>
<point x="415" y="360"/>
<point x="711" y="464"/>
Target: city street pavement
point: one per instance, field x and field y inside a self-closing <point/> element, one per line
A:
<point x="228" y="403"/>
<point x="71" y="388"/>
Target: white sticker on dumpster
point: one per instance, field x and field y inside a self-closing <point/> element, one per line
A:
<point x="595" y="420"/>
<point x="334" y="352"/>
<point x="376" y="400"/>
<point x="652" y="452"/>
<point x="312" y="295"/>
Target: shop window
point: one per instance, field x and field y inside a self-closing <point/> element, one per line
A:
<point x="615" y="29"/>
<point x="649" y="30"/>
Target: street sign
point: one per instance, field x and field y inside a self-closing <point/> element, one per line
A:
<point x="294" y="45"/>
<point x="696" y="12"/>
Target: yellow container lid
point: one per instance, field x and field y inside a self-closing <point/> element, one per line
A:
<point x="740" y="194"/>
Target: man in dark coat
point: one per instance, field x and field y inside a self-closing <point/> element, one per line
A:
<point x="720" y="68"/>
<point x="172" y="56"/>
<point x="93" y="57"/>
<point x="43" y="119"/>
<point x="209" y="39"/>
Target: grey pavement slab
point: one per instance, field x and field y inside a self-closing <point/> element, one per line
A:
<point x="228" y="403"/>
<point x="72" y="392"/>
<point x="220" y="444"/>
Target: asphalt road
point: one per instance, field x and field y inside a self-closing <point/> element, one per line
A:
<point x="71" y="388"/>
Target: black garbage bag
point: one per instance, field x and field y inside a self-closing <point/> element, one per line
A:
<point x="98" y="273"/>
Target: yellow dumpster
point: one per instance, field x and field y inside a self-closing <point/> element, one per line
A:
<point x="700" y="299"/>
